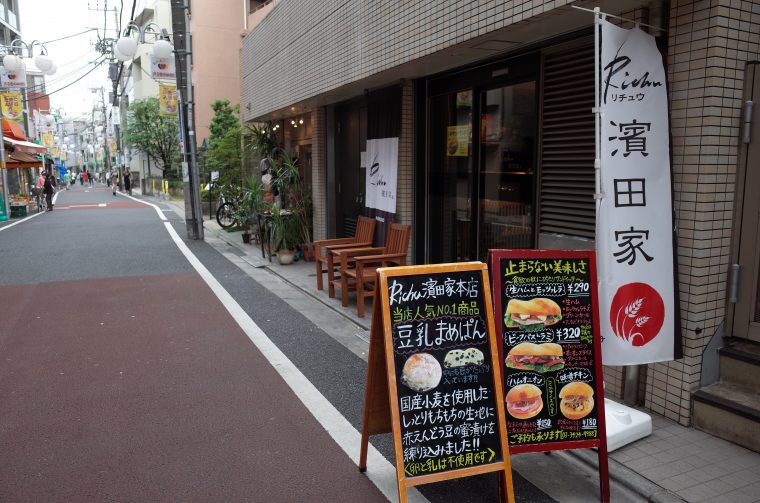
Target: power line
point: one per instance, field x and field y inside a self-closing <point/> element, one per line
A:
<point x="97" y="64"/>
<point x="70" y="36"/>
<point x="62" y="76"/>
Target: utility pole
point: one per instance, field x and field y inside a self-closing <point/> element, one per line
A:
<point x="184" y="61"/>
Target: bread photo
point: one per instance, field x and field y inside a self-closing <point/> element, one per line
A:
<point x="542" y="358"/>
<point x="533" y="314"/>
<point x="577" y="400"/>
<point x="421" y="372"/>
<point x="524" y="401"/>
<point x="463" y="358"/>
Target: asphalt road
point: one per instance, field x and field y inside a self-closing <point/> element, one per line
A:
<point x="123" y="377"/>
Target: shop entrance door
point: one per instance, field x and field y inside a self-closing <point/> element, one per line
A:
<point x="507" y="167"/>
<point x="350" y="141"/>
<point x="482" y="157"/>
<point x="451" y="180"/>
<point x="746" y="318"/>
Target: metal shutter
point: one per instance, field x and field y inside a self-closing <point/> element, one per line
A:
<point x="566" y="190"/>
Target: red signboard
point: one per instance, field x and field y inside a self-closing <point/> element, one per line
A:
<point x="546" y="316"/>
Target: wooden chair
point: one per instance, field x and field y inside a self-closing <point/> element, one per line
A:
<point x="358" y="266"/>
<point x="365" y="231"/>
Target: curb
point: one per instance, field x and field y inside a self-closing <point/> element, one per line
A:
<point x="624" y="476"/>
<point x="618" y="472"/>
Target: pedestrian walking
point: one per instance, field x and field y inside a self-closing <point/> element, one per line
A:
<point x="49" y="189"/>
<point x="127" y="182"/>
<point x="41" y="179"/>
<point x="67" y="179"/>
<point x="114" y="180"/>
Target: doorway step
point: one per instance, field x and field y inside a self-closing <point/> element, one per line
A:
<point x="730" y="409"/>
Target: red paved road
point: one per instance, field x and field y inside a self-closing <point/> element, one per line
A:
<point x="151" y="393"/>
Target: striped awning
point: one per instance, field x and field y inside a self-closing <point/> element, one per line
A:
<point x="24" y="146"/>
<point x="18" y="159"/>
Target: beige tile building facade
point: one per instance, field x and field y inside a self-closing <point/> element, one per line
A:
<point x="313" y="56"/>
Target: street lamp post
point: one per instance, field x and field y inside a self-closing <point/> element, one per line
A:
<point x="125" y="49"/>
<point x="107" y="160"/>
<point x="13" y="60"/>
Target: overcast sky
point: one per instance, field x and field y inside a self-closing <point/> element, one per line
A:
<point x="50" y="20"/>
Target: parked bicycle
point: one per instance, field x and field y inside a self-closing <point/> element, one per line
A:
<point x="39" y="198"/>
<point x="226" y="212"/>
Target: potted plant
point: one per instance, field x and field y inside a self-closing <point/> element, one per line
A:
<point x="286" y="234"/>
<point x="295" y="199"/>
<point x="250" y="204"/>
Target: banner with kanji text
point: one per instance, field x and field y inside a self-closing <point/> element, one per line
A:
<point x="635" y="259"/>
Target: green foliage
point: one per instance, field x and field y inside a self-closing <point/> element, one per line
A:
<point x="224" y="153"/>
<point x="251" y="201"/>
<point x="287" y="178"/>
<point x="155" y="134"/>
<point x="260" y="139"/>
<point x="286" y="229"/>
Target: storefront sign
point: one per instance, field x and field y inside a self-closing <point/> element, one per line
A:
<point x="162" y="68"/>
<point x="546" y="312"/>
<point x="12" y="106"/>
<point x="458" y="141"/>
<point x="433" y="375"/>
<point x="382" y="171"/>
<point x="47" y="139"/>
<point x="634" y="223"/>
<point x="12" y="79"/>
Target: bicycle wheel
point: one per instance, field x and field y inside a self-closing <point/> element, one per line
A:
<point x="225" y="215"/>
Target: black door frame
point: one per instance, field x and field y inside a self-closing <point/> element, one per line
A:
<point x="498" y="73"/>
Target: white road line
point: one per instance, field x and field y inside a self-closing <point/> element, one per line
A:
<point x="158" y="210"/>
<point x="379" y="470"/>
<point x="19" y="221"/>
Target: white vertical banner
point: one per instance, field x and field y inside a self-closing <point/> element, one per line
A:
<point x="382" y="171"/>
<point x="634" y="222"/>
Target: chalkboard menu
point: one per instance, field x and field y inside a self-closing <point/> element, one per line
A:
<point x="546" y="313"/>
<point x="442" y="368"/>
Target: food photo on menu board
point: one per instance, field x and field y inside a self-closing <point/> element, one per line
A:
<point x="548" y="349"/>
<point x="444" y="370"/>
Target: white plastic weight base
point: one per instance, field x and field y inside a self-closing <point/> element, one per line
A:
<point x="624" y="424"/>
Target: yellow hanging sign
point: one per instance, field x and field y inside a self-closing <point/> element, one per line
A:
<point x="167" y="101"/>
<point x="12" y="106"/>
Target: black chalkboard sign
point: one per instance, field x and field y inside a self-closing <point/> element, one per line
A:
<point x="546" y="312"/>
<point x="434" y="328"/>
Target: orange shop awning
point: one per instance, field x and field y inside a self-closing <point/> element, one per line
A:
<point x="13" y="130"/>
<point x="21" y="160"/>
<point x="24" y="146"/>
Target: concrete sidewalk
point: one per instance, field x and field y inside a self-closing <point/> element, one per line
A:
<point x="675" y="463"/>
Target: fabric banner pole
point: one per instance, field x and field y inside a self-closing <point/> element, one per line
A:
<point x="634" y="243"/>
<point x="597" y="115"/>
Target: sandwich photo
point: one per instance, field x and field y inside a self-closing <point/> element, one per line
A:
<point x="536" y="357"/>
<point x="533" y="314"/>
<point x="577" y="400"/>
<point x="524" y="401"/>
